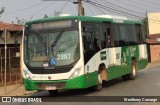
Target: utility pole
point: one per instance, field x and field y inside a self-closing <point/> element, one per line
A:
<point x="80" y="8"/>
<point x="147" y="23"/>
<point x="5" y="79"/>
<point x="79" y="2"/>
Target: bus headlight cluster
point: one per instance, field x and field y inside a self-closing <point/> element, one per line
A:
<point x="26" y="74"/>
<point x="75" y="73"/>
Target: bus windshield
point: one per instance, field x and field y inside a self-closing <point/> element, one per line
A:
<point x="51" y="49"/>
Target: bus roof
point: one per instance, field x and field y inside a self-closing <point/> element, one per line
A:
<point x="88" y="18"/>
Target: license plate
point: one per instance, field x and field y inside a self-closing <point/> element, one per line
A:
<point x="50" y="88"/>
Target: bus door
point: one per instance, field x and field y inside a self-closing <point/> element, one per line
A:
<point x="89" y="52"/>
<point x="110" y="52"/>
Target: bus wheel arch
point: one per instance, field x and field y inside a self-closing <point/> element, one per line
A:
<point x="132" y="75"/>
<point x="103" y="71"/>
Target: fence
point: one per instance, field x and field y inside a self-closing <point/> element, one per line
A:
<point x="13" y="73"/>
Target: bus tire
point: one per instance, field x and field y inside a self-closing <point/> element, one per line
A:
<point x="53" y="92"/>
<point x="133" y="74"/>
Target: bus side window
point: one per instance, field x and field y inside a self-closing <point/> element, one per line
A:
<point x="132" y="39"/>
<point x="115" y="35"/>
<point x="138" y="33"/>
<point x="87" y="40"/>
<point x="123" y="36"/>
<point x="88" y="46"/>
<point x="99" y="37"/>
<point x="108" y="37"/>
<point x="143" y="34"/>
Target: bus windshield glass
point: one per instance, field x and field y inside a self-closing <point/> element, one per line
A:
<point x="51" y="48"/>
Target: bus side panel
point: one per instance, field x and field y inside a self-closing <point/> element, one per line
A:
<point x="117" y="71"/>
<point x="122" y="65"/>
<point x="143" y="57"/>
<point x="91" y="79"/>
<point x="142" y="63"/>
<point x="76" y="83"/>
<point x="117" y="61"/>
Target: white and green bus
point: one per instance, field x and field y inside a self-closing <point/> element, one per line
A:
<point x="76" y="52"/>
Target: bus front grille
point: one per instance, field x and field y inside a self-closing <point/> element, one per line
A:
<point x="50" y="71"/>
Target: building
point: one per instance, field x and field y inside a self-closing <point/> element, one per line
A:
<point x="14" y="34"/>
<point x="154" y="23"/>
<point x="154" y="44"/>
<point x="153" y="39"/>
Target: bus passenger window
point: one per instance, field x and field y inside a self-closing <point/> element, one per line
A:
<point x="138" y="33"/>
<point x="87" y="41"/>
<point x="88" y="46"/>
<point x="108" y="37"/>
<point x="99" y="46"/>
<point x="143" y="35"/>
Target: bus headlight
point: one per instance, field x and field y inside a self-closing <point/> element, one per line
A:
<point x="26" y="74"/>
<point x="75" y="73"/>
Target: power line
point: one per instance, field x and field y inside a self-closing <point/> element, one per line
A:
<point x="99" y="9"/>
<point x="106" y="2"/>
<point x="90" y="9"/>
<point x="114" y="10"/>
<point x="25" y="8"/>
<point x="129" y="4"/>
<point x="64" y="6"/>
<point x="41" y="10"/>
<point x="134" y="6"/>
<point x="150" y="2"/>
<point x="154" y="21"/>
<point x="130" y="15"/>
<point x="143" y="4"/>
<point x="61" y="9"/>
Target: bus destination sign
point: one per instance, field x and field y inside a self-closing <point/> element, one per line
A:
<point x="51" y="25"/>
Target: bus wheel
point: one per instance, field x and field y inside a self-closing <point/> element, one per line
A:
<point x="53" y="92"/>
<point x="133" y="74"/>
<point x="98" y="87"/>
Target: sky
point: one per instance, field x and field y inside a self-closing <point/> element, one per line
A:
<point x="34" y="9"/>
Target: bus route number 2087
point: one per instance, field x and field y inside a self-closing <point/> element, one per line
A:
<point x="63" y="56"/>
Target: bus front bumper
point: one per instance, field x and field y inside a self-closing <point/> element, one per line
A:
<point x="75" y="83"/>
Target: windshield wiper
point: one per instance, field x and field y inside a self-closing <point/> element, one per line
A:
<point x="42" y="40"/>
<point x="57" y="38"/>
